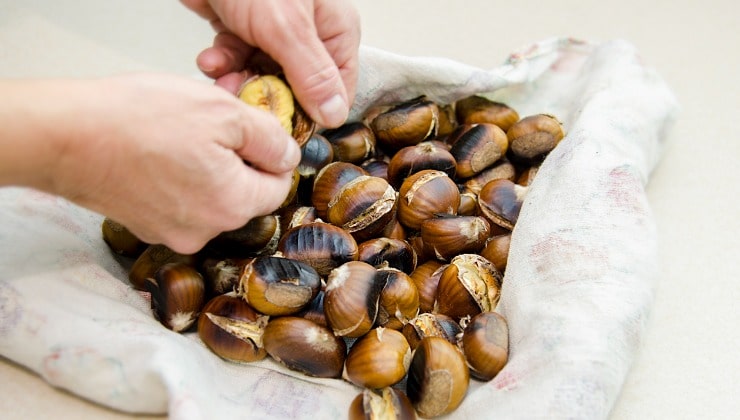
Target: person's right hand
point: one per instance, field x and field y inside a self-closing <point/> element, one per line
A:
<point x="315" y="42"/>
<point x="160" y="154"/>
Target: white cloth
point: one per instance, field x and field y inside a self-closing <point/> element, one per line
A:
<point x="577" y="292"/>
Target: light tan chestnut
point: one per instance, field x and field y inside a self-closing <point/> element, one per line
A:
<point x="478" y="109"/>
<point x="278" y="286"/>
<point x="382" y="404"/>
<point x="121" y="240"/>
<point x="533" y="137"/>
<point x="476" y="147"/>
<point x="178" y="294"/>
<point x="352" y="298"/>
<point x="304" y="346"/>
<point x="378" y="359"/>
<point x="232" y="329"/>
<point x="438" y="377"/>
<point x="431" y="325"/>
<point x="426" y="194"/>
<point x="399" y="299"/>
<point x="485" y="343"/>
<point x="469" y="285"/>
<point x="321" y="245"/>
<point x="363" y="207"/>
<point x="450" y="235"/>
<point x="500" y="202"/>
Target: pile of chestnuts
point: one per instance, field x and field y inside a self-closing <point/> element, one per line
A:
<point x="384" y="265"/>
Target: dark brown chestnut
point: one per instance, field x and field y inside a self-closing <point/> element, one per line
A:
<point x="178" y="293"/>
<point x="500" y="201"/>
<point x="259" y="236"/>
<point x="330" y="179"/>
<point x="321" y="245"/>
<point x="352" y="142"/>
<point x="426" y="278"/>
<point x="412" y="159"/>
<point x="278" y="286"/>
<point x="222" y="274"/>
<point x="315" y="154"/>
<point x="406" y="124"/>
<point x="476" y="147"/>
<point x="496" y="250"/>
<point x="154" y="257"/>
<point x="395" y="253"/>
<point x="376" y="167"/>
<point x="502" y="169"/>
<point x="478" y="109"/>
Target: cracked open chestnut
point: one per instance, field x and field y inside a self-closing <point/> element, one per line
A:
<point x="232" y="329"/>
<point x="469" y="285"/>
<point x="424" y="195"/>
<point x="382" y="404"/>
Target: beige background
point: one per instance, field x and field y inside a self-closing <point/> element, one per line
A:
<point x="689" y="365"/>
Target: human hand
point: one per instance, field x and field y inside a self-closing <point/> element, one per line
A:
<point x="163" y="156"/>
<point x="315" y="42"/>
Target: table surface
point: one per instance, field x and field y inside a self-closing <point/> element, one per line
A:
<point x="688" y="366"/>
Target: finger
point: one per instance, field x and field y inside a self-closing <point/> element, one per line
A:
<point x="267" y="191"/>
<point x="232" y="82"/>
<point x="200" y="7"/>
<point x="339" y="28"/>
<point x="228" y="54"/>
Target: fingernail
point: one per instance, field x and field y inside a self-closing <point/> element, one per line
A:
<point x="292" y="156"/>
<point x="334" y="111"/>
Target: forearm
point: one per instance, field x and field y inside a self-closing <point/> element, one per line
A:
<point x="39" y="120"/>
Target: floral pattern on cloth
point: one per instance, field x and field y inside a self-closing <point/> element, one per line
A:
<point x="577" y="293"/>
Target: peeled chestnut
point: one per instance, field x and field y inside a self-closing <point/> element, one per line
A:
<point x="478" y="109"/>
<point x="426" y="278"/>
<point x="177" y="293"/>
<point x="476" y="147"/>
<point x="321" y="245"/>
<point x="431" y="325"/>
<point x="424" y="195"/>
<point x="450" y="235"/>
<point x="259" y="236"/>
<point x="232" y="329"/>
<point x="363" y="207"/>
<point x="500" y="201"/>
<point x="470" y="284"/>
<point x="121" y="240"/>
<point x="378" y="359"/>
<point x="351" y="298"/>
<point x="496" y="250"/>
<point x="535" y="136"/>
<point x="383" y="404"/>
<point x="154" y="257"/>
<point x="278" y="286"/>
<point x="406" y="124"/>
<point x="330" y="179"/>
<point x="304" y="346"/>
<point x="412" y="159"/>
<point x="399" y="299"/>
<point x="395" y="253"/>
<point x="485" y="343"/>
<point x="438" y="377"/>
<point x="352" y="142"/>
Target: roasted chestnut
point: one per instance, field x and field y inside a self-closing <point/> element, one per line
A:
<point x="426" y="278"/>
<point x="399" y="300"/>
<point x="378" y="359"/>
<point x="438" y="377"/>
<point x="321" y="245"/>
<point x="330" y="179"/>
<point x="232" y="329"/>
<point x="412" y="159"/>
<point x="447" y="120"/>
<point x="527" y="176"/>
<point x="304" y="346"/>
<point x="278" y="286"/>
<point x="222" y="274"/>
<point x="533" y="137"/>
<point x="406" y="124"/>
<point x="496" y="250"/>
<point x="450" y="235"/>
<point x="352" y="142"/>
<point x="121" y="240"/>
<point x="383" y="404"/>
<point x="424" y="195"/>
<point x="394" y="253"/>
<point x="315" y="154"/>
<point x="476" y="147"/>
<point x="259" y="236"/>
<point x="314" y="311"/>
<point x="363" y="207"/>
<point x="468" y="202"/>
<point x="293" y="216"/>
<point x="154" y="257"/>
<point x="500" y="201"/>
<point x="485" y="343"/>
<point x="178" y="293"/>
<point x="502" y="169"/>
<point x="469" y="285"/>
<point x="431" y="325"/>
<point x="478" y="109"/>
<point x="376" y="167"/>
<point x="351" y="298"/>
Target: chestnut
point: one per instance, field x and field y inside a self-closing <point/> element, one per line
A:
<point x="278" y="286"/>
<point x="394" y="229"/>
<point x="399" y="299"/>
<point x="304" y="346"/>
<point x="450" y="235"/>
<point x="426" y="279"/>
<point x="527" y="176"/>
<point x="352" y="142"/>
<point x="502" y="169"/>
<point x="485" y="344"/>
<point x="321" y="245"/>
<point x="535" y="136"/>
<point x="315" y="154"/>
<point x="378" y="359"/>
<point x="382" y="404"/>
<point x="314" y="311"/>
<point x="395" y="253"/>
<point x="232" y="329"/>
<point x="426" y="194"/>
<point x="293" y="216"/>
<point x="363" y="207"/>
<point x="154" y="257"/>
<point x="496" y="250"/>
<point x="222" y="274"/>
<point x="438" y="377"/>
<point x="406" y="124"/>
<point x="468" y="202"/>
<point x="259" y="236"/>
<point x="447" y="120"/>
<point x="330" y="179"/>
<point x="478" y="109"/>
<point x="476" y="147"/>
<point x="431" y="325"/>
<point x="469" y="285"/>
<point x="376" y="167"/>
<point x="352" y="297"/>
<point x="412" y="159"/>
<point x="120" y="240"/>
<point x="500" y="201"/>
<point x="177" y="293"/>
<point x="423" y="251"/>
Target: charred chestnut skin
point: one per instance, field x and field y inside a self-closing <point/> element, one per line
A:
<point x="321" y="245"/>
